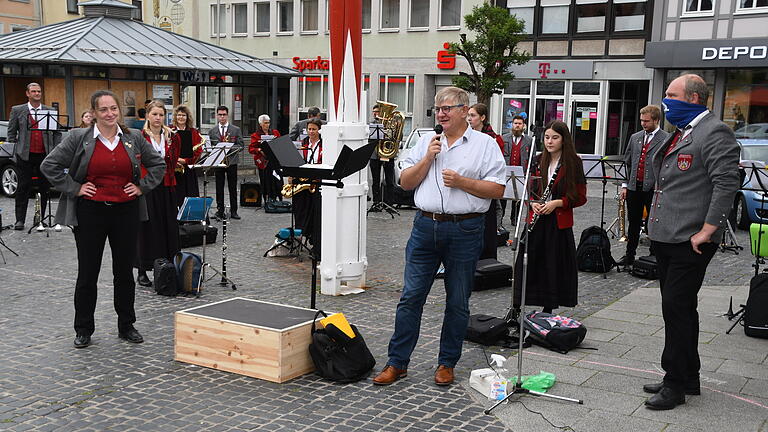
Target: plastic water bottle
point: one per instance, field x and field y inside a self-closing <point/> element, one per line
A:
<point x="499" y="384"/>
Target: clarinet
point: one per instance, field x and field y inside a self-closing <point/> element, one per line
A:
<point x="545" y="197"/>
<point x="223" y="252"/>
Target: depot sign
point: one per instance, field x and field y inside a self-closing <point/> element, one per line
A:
<point x="707" y="54"/>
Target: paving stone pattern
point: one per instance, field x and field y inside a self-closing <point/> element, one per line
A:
<point x="46" y="384"/>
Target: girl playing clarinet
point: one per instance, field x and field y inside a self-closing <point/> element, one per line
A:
<point x="552" y="272"/>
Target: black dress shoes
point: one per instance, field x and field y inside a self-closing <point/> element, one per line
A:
<point x="19" y="226"/>
<point x="234" y="215"/>
<point x="626" y="260"/>
<point x="82" y="341"/>
<point x="132" y="336"/>
<point x="665" y="399"/>
<point x="143" y="280"/>
<point x="691" y="389"/>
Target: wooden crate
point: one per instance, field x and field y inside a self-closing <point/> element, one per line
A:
<point x="248" y="337"/>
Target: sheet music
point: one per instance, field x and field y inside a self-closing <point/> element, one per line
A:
<point x="593" y="167"/>
<point x="46" y="119"/>
<point x="267" y="137"/>
<point x="321" y="166"/>
<point x="515" y="186"/>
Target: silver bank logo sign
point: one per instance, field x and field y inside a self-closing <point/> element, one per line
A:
<point x="733" y="53"/>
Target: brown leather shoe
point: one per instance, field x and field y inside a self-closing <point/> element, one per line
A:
<point x="389" y="375"/>
<point x="443" y="376"/>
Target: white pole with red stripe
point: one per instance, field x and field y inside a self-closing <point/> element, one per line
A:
<point x="343" y="258"/>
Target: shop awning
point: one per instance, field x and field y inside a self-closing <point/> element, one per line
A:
<point x="108" y="41"/>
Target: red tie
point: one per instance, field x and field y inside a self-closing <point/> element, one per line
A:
<point x="675" y="139"/>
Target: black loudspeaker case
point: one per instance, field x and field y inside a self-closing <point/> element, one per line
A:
<point x="250" y="194"/>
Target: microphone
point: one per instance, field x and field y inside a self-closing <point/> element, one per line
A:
<point x="438" y="130"/>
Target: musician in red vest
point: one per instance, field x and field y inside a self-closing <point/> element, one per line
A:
<point x="638" y="190"/>
<point x="270" y="185"/>
<point x="29" y="150"/>
<point x="307" y="205"/>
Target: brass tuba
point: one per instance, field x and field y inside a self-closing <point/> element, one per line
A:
<point x="291" y="189"/>
<point x="393" y="122"/>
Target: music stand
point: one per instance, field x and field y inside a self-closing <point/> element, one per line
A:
<point x="2" y="242"/>
<point x="514" y="191"/>
<point x="46" y="121"/>
<point x="291" y="163"/>
<point x="214" y="158"/>
<point x="379" y="133"/>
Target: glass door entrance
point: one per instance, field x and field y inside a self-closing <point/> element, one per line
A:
<point x="584" y="123"/>
<point x="546" y="111"/>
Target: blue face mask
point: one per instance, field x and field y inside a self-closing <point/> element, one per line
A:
<point x="681" y="113"/>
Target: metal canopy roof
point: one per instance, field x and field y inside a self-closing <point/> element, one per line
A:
<point x="118" y="42"/>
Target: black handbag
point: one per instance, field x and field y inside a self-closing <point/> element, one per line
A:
<point x="338" y="357"/>
<point x="486" y="329"/>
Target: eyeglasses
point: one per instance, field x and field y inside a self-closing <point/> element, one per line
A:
<point x="446" y="109"/>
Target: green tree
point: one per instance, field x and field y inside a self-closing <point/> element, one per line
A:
<point x="492" y="51"/>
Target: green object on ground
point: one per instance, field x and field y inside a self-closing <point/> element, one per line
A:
<point x="539" y="383"/>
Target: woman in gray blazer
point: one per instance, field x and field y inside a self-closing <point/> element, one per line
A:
<point x="97" y="170"/>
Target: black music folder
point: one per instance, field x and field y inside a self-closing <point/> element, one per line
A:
<point x="291" y="163"/>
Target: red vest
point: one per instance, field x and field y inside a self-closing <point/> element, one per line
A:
<point x="110" y="171"/>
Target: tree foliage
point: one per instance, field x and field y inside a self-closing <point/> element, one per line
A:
<point x="492" y="51"/>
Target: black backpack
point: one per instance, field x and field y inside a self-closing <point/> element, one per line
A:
<point x="486" y="329"/>
<point x="337" y="357"/>
<point x="594" y="251"/>
<point x="277" y="207"/>
<point x="165" y="278"/>
<point x="554" y="332"/>
<point x="756" y="310"/>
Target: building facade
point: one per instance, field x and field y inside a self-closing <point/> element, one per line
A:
<point x="17" y="15"/>
<point x="725" y="42"/>
<point x="587" y="67"/>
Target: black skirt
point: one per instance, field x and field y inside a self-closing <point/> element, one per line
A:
<point x="186" y="186"/>
<point x="159" y="236"/>
<point x="553" y="279"/>
<point x="307" y="213"/>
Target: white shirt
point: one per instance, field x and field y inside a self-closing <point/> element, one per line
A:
<point x="693" y="123"/>
<point x="32" y="109"/>
<point x="111" y="145"/>
<point x="647" y="138"/>
<point x="223" y="129"/>
<point x="159" y="147"/>
<point x="475" y="155"/>
<point x="313" y="151"/>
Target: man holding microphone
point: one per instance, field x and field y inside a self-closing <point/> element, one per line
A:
<point x="455" y="175"/>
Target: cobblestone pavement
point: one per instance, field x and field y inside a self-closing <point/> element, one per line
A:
<point x="45" y="384"/>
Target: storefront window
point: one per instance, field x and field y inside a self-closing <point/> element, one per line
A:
<point x="585" y="88"/>
<point x="398" y="89"/>
<point x="550" y="88"/>
<point x="746" y="103"/>
<point x="707" y="74"/>
<point x="33" y="70"/>
<point x="89" y="72"/>
<point x="313" y="91"/>
<point x="511" y="107"/>
<point x="56" y="71"/>
<point x="518" y="87"/>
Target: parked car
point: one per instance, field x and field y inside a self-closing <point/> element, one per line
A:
<point x="750" y="205"/>
<point x="404" y="197"/>
<point x="754" y="130"/>
<point x="8" y="174"/>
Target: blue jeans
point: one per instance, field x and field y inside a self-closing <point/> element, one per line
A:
<point x="457" y="245"/>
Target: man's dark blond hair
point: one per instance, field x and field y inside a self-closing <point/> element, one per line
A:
<point x="653" y="110"/>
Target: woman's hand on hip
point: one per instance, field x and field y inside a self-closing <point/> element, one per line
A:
<point x="132" y="190"/>
<point x="87" y="189"/>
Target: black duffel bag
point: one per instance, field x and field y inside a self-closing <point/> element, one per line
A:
<point x="336" y="356"/>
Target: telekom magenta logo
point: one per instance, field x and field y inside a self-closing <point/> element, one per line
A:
<point x="546" y="68"/>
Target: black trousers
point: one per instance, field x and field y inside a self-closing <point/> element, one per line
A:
<point x="97" y="223"/>
<point x="389" y="180"/>
<point x="270" y="186"/>
<point x="636" y="202"/>
<point x="29" y="171"/>
<point x="231" y="177"/>
<point x="489" y="233"/>
<point x="514" y="209"/>
<point x="681" y="272"/>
